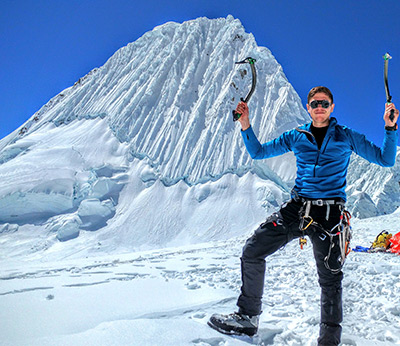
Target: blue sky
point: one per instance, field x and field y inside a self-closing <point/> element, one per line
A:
<point x="47" y="45"/>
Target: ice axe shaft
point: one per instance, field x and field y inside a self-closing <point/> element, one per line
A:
<point x="386" y="57"/>
<point x="251" y="61"/>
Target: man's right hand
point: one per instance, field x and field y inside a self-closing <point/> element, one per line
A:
<point x="388" y="108"/>
<point x="243" y="109"/>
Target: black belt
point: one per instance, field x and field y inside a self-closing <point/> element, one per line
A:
<point x="322" y="202"/>
<point x="307" y="203"/>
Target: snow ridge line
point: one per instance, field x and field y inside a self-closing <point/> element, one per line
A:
<point x="264" y="173"/>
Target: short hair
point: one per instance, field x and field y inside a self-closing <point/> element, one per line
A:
<point x="319" y="89"/>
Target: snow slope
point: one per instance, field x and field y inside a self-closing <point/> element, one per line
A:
<point x="373" y="190"/>
<point x="165" y="297"/>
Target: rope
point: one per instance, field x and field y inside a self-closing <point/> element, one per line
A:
<point x="343" y="232"/>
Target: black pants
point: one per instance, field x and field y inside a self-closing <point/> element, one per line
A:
<point x="277" y="231"/>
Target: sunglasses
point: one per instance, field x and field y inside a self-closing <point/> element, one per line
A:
<point x="324" y="103"/>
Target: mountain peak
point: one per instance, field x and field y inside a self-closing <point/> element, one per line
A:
<point x="170" y="95"/>
<point x="144" y="146"/>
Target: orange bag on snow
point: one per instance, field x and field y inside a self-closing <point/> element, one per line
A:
<point x="395" y="243"/>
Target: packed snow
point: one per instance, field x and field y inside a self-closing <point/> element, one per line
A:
<point x="126" y="199"/>
<point x="165" y="297"/>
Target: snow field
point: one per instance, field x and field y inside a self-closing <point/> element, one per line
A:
<point x="165" y="297"/>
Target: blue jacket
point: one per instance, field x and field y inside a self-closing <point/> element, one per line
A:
<point x="321" y="173"/>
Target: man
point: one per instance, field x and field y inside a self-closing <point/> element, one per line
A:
<point x="322" y="149"/>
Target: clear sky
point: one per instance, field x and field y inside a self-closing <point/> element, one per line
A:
<point x="47" y="45"/>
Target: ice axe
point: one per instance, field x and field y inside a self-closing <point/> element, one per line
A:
<point x="386" y="57"/>
<point x="251" y="61"/>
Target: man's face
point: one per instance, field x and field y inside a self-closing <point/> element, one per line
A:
<point x="319" y="114"/>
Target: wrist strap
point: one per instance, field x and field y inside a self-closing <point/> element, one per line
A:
<point x="391" y="128"/>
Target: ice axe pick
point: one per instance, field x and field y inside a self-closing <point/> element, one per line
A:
<point x="386" y="57"/>
<point x="250" y="61"/>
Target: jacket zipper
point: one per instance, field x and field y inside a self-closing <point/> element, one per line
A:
<point x="325" y="141"/>
<point x="319" y="150"/>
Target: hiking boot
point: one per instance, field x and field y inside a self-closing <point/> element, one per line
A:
<point x="234" y="324"/>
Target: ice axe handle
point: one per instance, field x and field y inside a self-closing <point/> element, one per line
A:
<point x="387" y="57"/>
<point x="391" y="115"/>
<point x="236" y="115"/>
<point x="251" y="61"/>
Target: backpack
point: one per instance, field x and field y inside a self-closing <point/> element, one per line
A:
<point x="381" y="242"/>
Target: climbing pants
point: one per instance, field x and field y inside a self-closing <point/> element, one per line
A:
<point x="279" y="229"/>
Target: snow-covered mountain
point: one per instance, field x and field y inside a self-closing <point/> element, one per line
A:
<point x="143" y="150"/>
<point x="373" y="190"/>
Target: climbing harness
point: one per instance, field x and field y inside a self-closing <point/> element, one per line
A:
<point x="251" y="61"/>
<point x="387" y="57"/>
<point x="342" y="230"/>
<point x="306" y="220"/>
